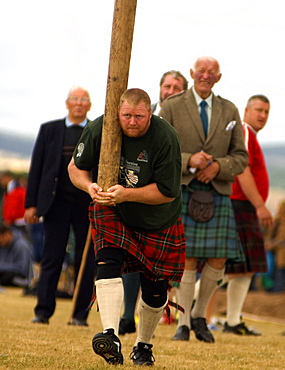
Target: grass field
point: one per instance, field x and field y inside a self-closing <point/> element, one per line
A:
<point x="24" y="345"/>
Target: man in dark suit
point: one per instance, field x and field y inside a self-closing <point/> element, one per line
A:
<point x="213" y="152"/>
<point x="51" y="194"/>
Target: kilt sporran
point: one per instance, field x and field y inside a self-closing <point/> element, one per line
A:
<point x="201" y="205"/>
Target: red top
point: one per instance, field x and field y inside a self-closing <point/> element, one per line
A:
<point x="257" y="165"/>
<point x="13" y="207"/>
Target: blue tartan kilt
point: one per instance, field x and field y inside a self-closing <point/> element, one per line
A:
<point x="216" y="238"/>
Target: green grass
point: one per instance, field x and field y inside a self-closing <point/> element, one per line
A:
<point x="55" y="346"/>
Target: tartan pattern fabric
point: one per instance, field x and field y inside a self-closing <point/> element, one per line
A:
<point x="159" y="255"/>
<point x="217" y="238"/>
<point x="252" y="241"/>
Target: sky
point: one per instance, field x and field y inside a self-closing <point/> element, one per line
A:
<point x="48" y="46"/>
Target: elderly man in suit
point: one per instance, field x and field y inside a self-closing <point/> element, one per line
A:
<point x="51" y="194"/>
<point x="213" y="152"/>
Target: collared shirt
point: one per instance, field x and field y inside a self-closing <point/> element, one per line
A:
<point x="208" y="107"/>
<point x="157" y="108"/>
<point x="68" y="123"/>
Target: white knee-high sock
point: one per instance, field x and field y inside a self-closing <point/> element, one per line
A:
<point x="110" y="297"/>
<point x="185" y="294"/>
<point x="236" y="294"/>
<point x="148" y="319"/>
<point x="210" y="278"/>
<point x="197" y="285"/>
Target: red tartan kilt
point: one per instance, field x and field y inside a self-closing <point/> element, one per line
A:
<point x="252" y="242"/>
<point x="159" y="254"/>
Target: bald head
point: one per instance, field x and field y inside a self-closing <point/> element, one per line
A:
<point x="205" y="73"/>
<point x="207" y="59"/>
<point x="78" y="104"/>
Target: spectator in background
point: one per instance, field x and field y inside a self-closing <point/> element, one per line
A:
<point x="275" y="243"/>
<point x="171" y="82"/>
<point x="51" y="194"/>
<point x="13" y="203"/>
<point x="2" y="191"/>
<point x="15" y="258"/>
<point x="213" y="152"/>
<point x="249" y="194"/>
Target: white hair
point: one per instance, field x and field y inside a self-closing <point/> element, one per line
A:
<point x="210" y="59"/>
<point x="75" y="87"/>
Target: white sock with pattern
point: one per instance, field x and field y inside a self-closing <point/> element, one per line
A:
<point x="208" y="284"/>
<point x="148" y="319"/>
<point x="185" y="294"/>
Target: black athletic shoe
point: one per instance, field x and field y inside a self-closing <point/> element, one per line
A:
<point x="240" y="329"/>
<point x="142" y="354"/>
<point x="108" y="346"/>
<point x="126" y="326"/>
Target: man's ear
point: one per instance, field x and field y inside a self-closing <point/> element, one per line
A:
<point x="218" y="77"/>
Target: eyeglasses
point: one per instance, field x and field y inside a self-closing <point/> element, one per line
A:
<point x="77" y="99"/>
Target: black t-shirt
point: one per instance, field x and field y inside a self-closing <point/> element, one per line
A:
<point x="152" y="158"/>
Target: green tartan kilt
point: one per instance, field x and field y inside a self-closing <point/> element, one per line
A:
<point x="216" y="238"/>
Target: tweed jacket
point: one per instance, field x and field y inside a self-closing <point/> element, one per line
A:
<point x="225" y="140"/>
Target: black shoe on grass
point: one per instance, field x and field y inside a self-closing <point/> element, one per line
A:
<point x="200" y="328"/>
<point x="182" y="333"/>
<point x="240" y="329"/>
<point x="108" y="346"/>
<point x="39" y="319"/>
<point x="142" y="354"/>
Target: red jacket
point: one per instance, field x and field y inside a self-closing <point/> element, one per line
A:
<point x="13" y="206"/>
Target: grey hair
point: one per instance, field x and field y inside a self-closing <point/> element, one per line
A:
<point x="211" y="59"/>
<point x="176" y="75"/>
<point x="75" y="87"/>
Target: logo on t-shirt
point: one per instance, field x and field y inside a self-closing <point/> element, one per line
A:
<point x="80" y="149"/>
<point x="129" y="172"/>
<point x="143" y="156"/>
